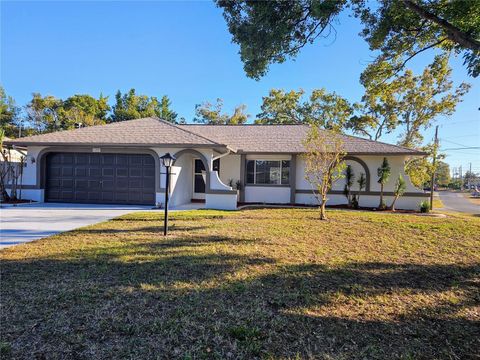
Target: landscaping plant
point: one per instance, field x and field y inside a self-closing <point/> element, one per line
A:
<point x="383" y="173"/>
<point x="400" y="187"/>
<point x="349" y="178"/>
<point x="362" y="184"/>
<point x="323" y="162"/>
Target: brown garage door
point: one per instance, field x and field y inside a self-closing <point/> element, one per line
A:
<point x="100" y="178"/>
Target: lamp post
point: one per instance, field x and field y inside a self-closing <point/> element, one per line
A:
<point x="167" y="161"/>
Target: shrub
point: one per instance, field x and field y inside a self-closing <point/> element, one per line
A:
<point x="425" y="206"/>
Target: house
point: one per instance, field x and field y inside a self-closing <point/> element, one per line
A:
<point x="119" y="163"/>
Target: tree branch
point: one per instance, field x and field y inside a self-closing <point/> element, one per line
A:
<point x="453" y="33"/>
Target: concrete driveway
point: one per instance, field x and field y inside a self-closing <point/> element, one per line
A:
<point x="458" y="202"/>
<point x="26" y="223"/>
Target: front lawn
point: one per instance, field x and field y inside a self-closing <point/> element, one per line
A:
<point x="248" y="284"/>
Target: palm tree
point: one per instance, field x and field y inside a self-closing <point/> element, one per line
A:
<point x="383" y="173"/>
<point x="400" y="187"/>
<point x="362" y="183"/>
<point x="349" y="178"/>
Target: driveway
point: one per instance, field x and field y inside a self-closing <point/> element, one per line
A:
<point x="458" y="202"/>
<point x="26" y="223"/>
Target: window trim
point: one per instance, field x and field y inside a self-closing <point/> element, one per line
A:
<point x="255" y="173"/>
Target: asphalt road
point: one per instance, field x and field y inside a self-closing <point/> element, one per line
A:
<point x="458" y="202"/>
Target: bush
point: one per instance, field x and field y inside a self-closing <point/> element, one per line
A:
<point x="425" y="206"/>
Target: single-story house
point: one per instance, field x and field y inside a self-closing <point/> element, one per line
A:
<point x="119" y="163"/>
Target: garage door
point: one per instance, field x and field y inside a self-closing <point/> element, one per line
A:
<point x="100" y="178"/>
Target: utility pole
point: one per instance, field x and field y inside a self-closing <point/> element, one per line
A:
<point x="469" y="176"/>
<point x="434" y="161"/>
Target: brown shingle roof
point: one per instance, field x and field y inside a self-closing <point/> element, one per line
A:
<point x="146" y="131"/>
<point x="285" y="139"/>
<point x="241" y="138"/>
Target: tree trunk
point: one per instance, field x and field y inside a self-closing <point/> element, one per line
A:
<point x="380" y="206"/>
<point x="453" y="33"/>
<point x="392" y="207"/>
<point x="323" y="215"/>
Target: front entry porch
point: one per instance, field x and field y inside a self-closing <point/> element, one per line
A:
<point x="195" y="183"/>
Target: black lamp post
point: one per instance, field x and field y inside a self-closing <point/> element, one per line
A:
<point x="167" y="161"/>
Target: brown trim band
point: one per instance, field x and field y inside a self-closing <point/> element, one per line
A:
<point x="373" y="193"/>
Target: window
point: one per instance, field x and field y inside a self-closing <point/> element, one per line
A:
<point x="268" y="172"/>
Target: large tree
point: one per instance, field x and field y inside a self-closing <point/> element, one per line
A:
<point x="408" y="103"/>
<point x="271" y="31"/>
<point x="9" y="112"/>
<point x="208" y="113"/>
<point x="327" y="110"/>
<point x="48" y="113"/>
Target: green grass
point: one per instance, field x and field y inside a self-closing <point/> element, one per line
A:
<point x="274" y="284"/>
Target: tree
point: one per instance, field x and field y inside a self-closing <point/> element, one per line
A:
<point x="272" y="31"/>
<point x="469" y="177"/>
<point x="84" y="110"/>
<point x="42" y="113"/>
<point x="442" y="175"/>
<point x="409" y="102"/>
<point x="131" y="106"/>
<point x="324" y="153"/>
<point x="349" y="178"/>
<point x="48" y="113"/>
<point x="9" y="114"/>
<point x="399" y="190"/>
<point x="383" y="173"/>
<point x="208" y="113"/>
<point x="165" y="112"/>
<point x="421" y="169"/>
<point x="328" y="110"/>
<point x="362" y="183"/>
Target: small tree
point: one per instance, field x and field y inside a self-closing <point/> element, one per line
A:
<point x="383" y="173"/>
<point x="362" y="183"/>
<point x="400" y="187"/>
<point x="349" y="178"/>
<point x="323" y="162"/>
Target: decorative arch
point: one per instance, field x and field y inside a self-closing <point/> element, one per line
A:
<point x="364" y="166"/>
<point x="204" y="161"/>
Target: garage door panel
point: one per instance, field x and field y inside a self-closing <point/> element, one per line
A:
<point x="100" y="178"/>
<point x="67" y="171"/>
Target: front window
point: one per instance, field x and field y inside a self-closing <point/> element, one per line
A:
<point x="268" y="172"/>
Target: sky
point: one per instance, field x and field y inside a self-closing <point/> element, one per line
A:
<point x="184" y="50"/>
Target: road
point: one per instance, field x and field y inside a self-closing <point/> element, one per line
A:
<point x="458" y="202"/>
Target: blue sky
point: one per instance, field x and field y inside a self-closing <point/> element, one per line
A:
<point x="183" y="50"/>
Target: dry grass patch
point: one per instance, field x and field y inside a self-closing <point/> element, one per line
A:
<point x="251" y="284"/>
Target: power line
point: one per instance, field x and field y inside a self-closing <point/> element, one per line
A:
<point x="462" y="148"/>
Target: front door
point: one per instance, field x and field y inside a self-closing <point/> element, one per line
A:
<point x="198" y="180"/>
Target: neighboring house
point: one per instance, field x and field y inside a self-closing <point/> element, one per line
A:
<point x="119" y="163"/>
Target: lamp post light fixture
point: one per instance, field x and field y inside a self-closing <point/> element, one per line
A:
<point x="167" y="161"/>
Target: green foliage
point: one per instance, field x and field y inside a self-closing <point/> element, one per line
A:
<point x="48" y="113"/>
<point x="408" y="102"/>
<point x="208" y="113"/>
<point x="132" y="106"/>
<point x="420" y="169"/>
<point x="165" y="112"/>
<point x="403" y="29"/>
<point x="8" y="114"/>
<point x="328" y="110"/>
<point x="442" y="175"/>
<point x="425" y="206"/>
<point x="362" y="182"/>
<point x="399" y="190"/>
<point x="272" y="31"/>
<point x="383" y="173"/>
<point x="349" y="179"/>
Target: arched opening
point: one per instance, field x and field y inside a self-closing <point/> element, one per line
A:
<point x="190" y="177"/>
